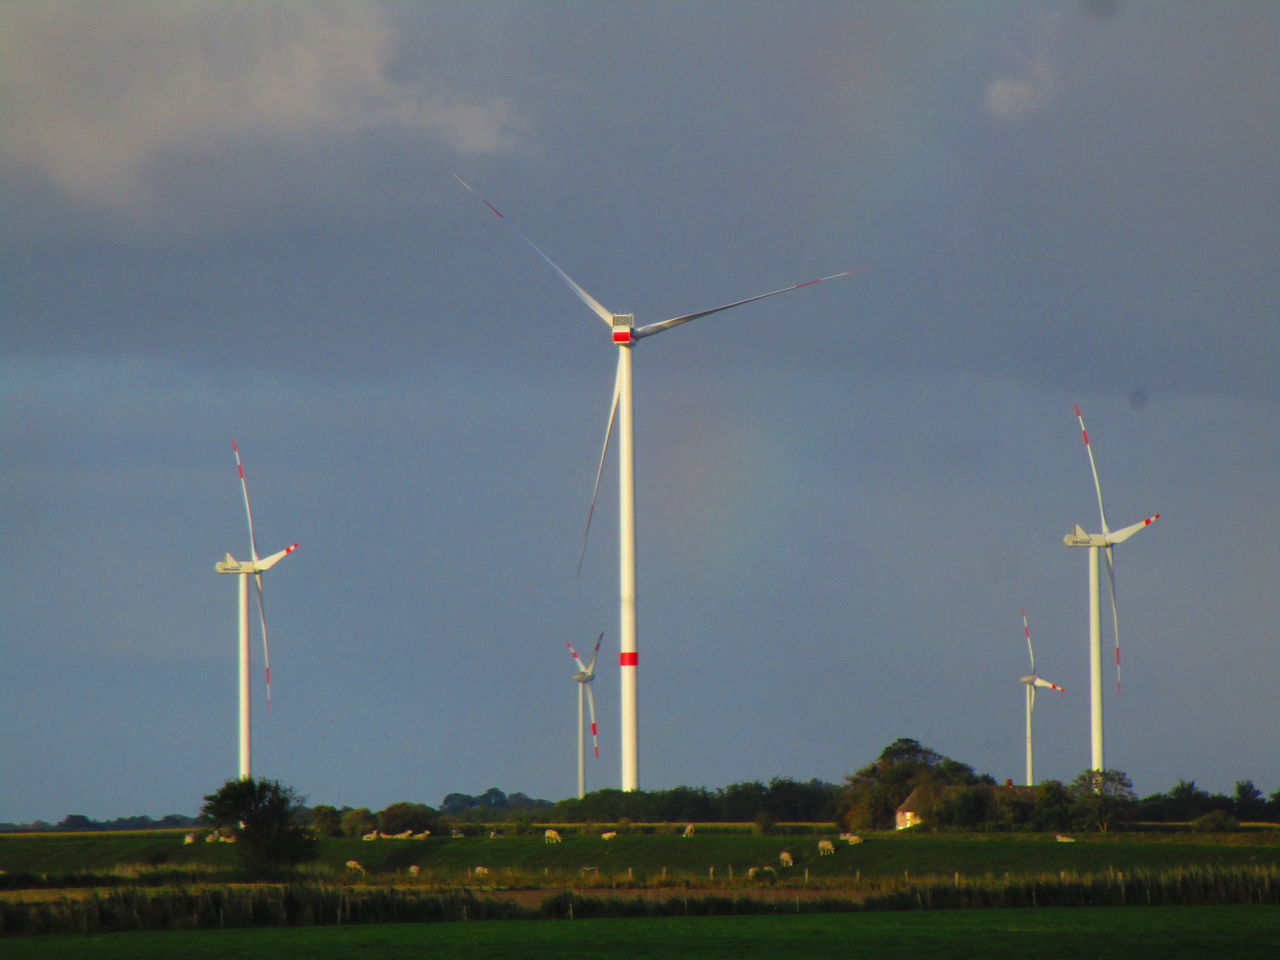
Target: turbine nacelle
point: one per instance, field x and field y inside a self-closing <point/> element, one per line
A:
<point x="623" y="325"/>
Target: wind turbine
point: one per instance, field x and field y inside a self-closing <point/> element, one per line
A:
<point x="625" y="333"/>
<point x="584" y="676"/>
<point x="246" y="569"/>
<point x="1095" y="542"/>
<point x="1032" y="680"/>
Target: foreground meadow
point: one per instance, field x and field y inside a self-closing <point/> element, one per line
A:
<point x="1171" y="933"/>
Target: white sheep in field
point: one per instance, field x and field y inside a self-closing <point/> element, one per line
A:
<point x="494" y="835"/>
<point x="414" y="869"/>
<point x="784" y="859"/>
<point x="188" y="839"/>
<point x="422" y="836"/>
<point x="355" y="866"/>
<point x="850" y="838"/>
<point x="481" y="871"/>
<point x="1063" y="838"/>
<point x="551" y="836"/>
<point x="370" y="836"/>
<point x="211" y="837"/>
<point x="457" y="834"/>
<point x="826" y="848"/>
<point x="609" y="836"/>
<point x="688" y="831"/>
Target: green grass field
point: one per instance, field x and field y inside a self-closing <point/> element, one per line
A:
<point x="1171" y="933"/>
<point x="528" y="859"/>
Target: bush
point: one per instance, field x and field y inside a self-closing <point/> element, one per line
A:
<point x="1215" y="821"/>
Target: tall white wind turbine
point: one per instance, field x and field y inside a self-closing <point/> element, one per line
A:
<point x="625" y="334"/>
<point x="1095" y="542"/>
<point x="1032" y="680"/>
<point x="586" y="673"/>
<point x="246" y="569"/>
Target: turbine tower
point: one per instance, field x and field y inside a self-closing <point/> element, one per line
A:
<point x="246" y="569"/>
<point x="584" y="676"/>
<point x="1032" y="680"/>
<point x="625" y="334"/>
<point x="1095" y="542"/>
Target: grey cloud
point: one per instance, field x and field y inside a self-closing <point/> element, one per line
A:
<point x="100" y="95"/>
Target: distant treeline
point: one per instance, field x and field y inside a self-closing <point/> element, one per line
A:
<point x="78" y="823"/>
<point x="955" y="796"/>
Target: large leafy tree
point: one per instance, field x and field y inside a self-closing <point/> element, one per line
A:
<point x="264" y="815"/>
<point x="1101" y="798"/>
<point x="873" y="793"/>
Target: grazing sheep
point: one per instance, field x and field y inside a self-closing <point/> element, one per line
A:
<point x="230" y="839"/>
<point x="551" y="836"/>
<point x="784" y="859"/>
<point x="494" y="835"/>
<point x="422" y="836"/>
<point x="481" y="871"/>
<point x="850" y="838"/>
<point x="404" y="835"/>
<point x="414" y="869"/>
<point x="189" y="838"/>
<point x="609" y="836"/>
<point x="457" y="834"/>
<point x="826" y="848"/>
<point x="370" y="836"/>
<point x="1063" y="838"/>
<point x="752" y="872"/>
<point x="688" y="831"/>
<point x="211" y="837"/>
<point x="355" y="866"/>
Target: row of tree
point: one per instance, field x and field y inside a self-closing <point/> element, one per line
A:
<point x="951" y="794"/>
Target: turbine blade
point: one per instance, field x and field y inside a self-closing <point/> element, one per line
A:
<point x="248" y="511"/>
<point x="1026" y="629"/>
<point x="595" y="490"/>
<point x="1115" y="613"/>
<point x="266" y="649"/>
<point x="595" y="734"/>
<point x="676" y="321"/>
<point x="1084" y="435"/>
<point x="1042" y="682"/>
<point x="585" y="297"/>
<point x="266" y="563"/>
<point x="574" y="654"/>
<point x="591" y="667"/>
<point x="1123" y="534"/>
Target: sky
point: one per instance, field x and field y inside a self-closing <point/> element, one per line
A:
<point x="239" y="221"/>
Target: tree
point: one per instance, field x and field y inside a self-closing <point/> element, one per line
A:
<point x="400" y="817"/>
<point x="263" y="813"/>
<point x="1101" y="798"/>
<point x="357" y="822"/>
<point x="1052" y="810"/>
<point x="873" y="794"/>
<point x="1249" y="802"/>
<point x="325" y="821"/>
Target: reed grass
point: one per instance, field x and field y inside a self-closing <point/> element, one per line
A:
<point x="211" y="906"/>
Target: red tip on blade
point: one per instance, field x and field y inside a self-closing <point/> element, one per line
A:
<point x="594" y="731"/>
<point x="1077" y="406"/>
<point x="597" y="753"/>
<point x="629" y="659"/>
<point x="1147" y="523"/>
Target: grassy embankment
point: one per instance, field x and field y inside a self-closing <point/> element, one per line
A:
<point x="97" y="882"/>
